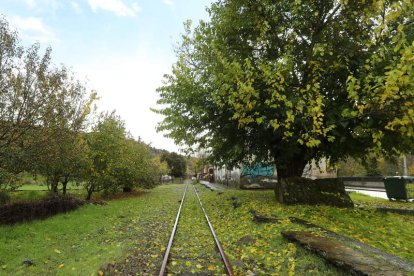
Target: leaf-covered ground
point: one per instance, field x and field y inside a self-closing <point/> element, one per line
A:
<point x="130" y="235"/>
<point x="389" y="232"/>
<point x="194" y="250"/>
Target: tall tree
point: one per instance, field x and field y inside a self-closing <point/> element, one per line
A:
<point x="116" y="161"/>
<point x="105" y="147"/>
<point x="58" y="144"/>
<point x="175" y="162"/>
<point x="24" y="88"/>
<point x="42" y="111"/>
<point x="291" y="81"/>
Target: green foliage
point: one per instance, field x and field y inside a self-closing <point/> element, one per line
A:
<point x="43" y="109"/>
<point x="116" y="161"/>
<point x="292" y="81"/>
<point x="193" y="166"/>
<point x="7" y="180"/>
<point x="371" y="165"/>
<point x="350" y="167"/>
<point x="57" y="149"/>
<point x="105" y="146"/>
<point x="23" y="84"/>
<point x="4" y="197"/>
<point x="176" y="163"/>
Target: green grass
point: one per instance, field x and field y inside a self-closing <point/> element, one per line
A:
<point x="43" y="187"/>
<point x="136" y="230"/>
<point x="33" y="194"/>
<point x="78" y="243"/>
<point x="27" y="195"/>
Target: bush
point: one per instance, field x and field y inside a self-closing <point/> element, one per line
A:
<point x="4" y="197"/>
<point x="30" y="210"/>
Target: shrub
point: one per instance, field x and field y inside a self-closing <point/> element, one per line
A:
<point x="4" y="197"/>
<point x="30" y="210"/>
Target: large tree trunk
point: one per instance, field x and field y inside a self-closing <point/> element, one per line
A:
<point x="54" y="182"/>
<point x="89" y="195"/>
<point x="65" y="184"/>
<point x="90" y="189"/>
<point x="290" y="168"/>
<point x="294" y="169"/>
<point x="287" y="168"/>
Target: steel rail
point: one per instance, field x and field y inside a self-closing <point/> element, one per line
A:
<point x="223" y="256"/>
<point x="167" y="251"/>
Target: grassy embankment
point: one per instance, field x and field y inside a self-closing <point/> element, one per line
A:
<point x="79" y="243"/>
<point x="389" y="232"/>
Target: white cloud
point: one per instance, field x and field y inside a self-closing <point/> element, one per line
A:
<point x="75" y="6"/>
<point x="136" y="7"/>
<point x="116" y="6"/>
<point x="30" y="3"/>
<point x="168" y="2"/>
<point x="33" y="28"/>
<point x="43" y="4"/>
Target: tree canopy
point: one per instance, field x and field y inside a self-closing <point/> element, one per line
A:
<point x="116" y="161"/>
<point x="46" y="127"/>
<point x="291" y="81"/>
<point x="176" y="163"/>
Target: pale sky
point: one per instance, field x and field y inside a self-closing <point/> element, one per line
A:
<point x="123" y="47"/>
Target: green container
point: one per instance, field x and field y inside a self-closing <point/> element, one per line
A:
<point x="399" y="187"/>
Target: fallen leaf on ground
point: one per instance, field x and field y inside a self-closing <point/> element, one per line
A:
<point x="211" y="267"/>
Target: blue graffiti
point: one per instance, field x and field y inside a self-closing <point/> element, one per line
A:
<point x="256" y="169"/>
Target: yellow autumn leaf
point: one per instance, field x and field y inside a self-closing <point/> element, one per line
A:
<point x="199" y="266"/>
<point x="61" y="266"/>
<point x="100" y="273"/>
<point x="58" y="251"/>
<point x="211" y="267"/>
<point x="174" y="263"/>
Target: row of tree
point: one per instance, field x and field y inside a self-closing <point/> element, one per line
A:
<point x="375" y="166"/>
<point x="48" y="126"/>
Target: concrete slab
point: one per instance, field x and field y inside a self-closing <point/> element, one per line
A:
<point x="342" y="256"/>
<point x="372" y="251"/>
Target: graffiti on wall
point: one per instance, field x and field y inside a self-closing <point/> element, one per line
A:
<point x="256" y="169"/>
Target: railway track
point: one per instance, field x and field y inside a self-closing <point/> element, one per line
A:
<point x="223" y="257"/>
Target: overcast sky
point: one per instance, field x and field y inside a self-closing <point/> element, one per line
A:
<point x="123" y="47"/>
